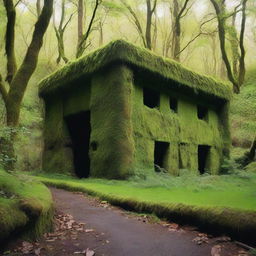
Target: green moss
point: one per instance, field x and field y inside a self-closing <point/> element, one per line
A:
<point x="27" y="207"/>
<point x="11" y="217"/>
<point x="122" y="127"/>
<point x="55" y="138"/>
<point x="183" y="130"/>
<point x="111" y="123"/>
<point x="243" y="114"/>
<point x="124" y="52"/>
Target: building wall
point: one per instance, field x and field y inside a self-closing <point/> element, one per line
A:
<point x="124" y="130"/>
<point x="57" y="156"/>
<point x="183" y="130"/>
<point x="111" y="123"/>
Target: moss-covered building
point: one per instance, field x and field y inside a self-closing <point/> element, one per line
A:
<point x="122" y="109"/>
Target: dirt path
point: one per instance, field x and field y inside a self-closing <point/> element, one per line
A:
<point x="110" y="231"/>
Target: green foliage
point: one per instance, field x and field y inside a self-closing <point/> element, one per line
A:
<point x="229" y="166"/>
<point x="251" y="167"/>
<point x="25" y="204"/>
<point x="7" y="135"/>
<point x="243" y="113"/>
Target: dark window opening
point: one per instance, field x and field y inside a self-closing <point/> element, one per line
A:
<point x="173" y="104"/>
<point x="203" y="157"/>
<point x="202" y="113"/>
<point x="160" y="155"/>
<point x="151" y="98"/>
<point x="79" y="129"/>
<point x="94" y="145"/>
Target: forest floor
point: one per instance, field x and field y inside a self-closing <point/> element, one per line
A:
<point x="87" y="226"/>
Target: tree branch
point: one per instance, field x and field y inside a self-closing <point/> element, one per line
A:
<point x="136" y="22"/>
<point x="183" y="8"/>
<point x="81" y="48"/>
<point x="154" y="6"/>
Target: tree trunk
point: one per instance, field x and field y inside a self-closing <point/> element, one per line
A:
<point x="101" y="33"/>
<point x="241" y="44"/>
<point x="10" y="40"/>
<point x="82" y="45"/>
<point x="176" y="31"/>
<point x="234" y="44"/>
<point x="38" y="8"/>
<point x="80" y="20"/>
<point x="20" y="81"/>
<point x="148" y="25"/>
<point x="220" y="10"/>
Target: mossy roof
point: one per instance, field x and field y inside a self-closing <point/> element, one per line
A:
<point x="127" y="53"/>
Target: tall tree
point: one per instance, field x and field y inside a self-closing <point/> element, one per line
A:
<point x="83" y="38"/>
<point x="178" y="12"/>
<point x="220" y="9"/>
<point x="80" y="21"/>
<point x="59" y="32"/>
<point x="145" y="36"/>
<point x="18" y="79"/>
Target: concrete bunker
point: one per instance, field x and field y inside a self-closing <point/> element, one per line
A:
<point x="114" y="112"/>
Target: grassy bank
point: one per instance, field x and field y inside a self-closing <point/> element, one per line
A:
<point x="243" y="112"/>
<point x="224" y="203"/>
<point x="25" y="206"/>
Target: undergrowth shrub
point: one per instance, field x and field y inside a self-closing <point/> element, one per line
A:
<point x="229" y="166"/>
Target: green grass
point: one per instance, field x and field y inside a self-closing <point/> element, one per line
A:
<point x="224" y="203"/>
<point x="25" y="204"/>
<point x="231" y="191"/>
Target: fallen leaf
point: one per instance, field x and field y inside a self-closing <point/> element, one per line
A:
<point x="89" y="230"/>
<point x="216" y="250"/>
<point x="222" y="239"/>
<point x="89" y="252"/>
<point x="37" y="251"/>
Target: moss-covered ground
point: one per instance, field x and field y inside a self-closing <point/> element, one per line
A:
<point x="243" y="112"/>
<point x="25" y="206"/>
<point x="225" y="203"/>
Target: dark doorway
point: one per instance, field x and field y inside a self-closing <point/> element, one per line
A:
<point x="151" y="98"/>
<point x="203" y="155"/>
<point x="79" y="129"/>
<point x="160" y="154"/>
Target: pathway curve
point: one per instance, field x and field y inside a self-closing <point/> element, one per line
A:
<point x="128" y="236"/>
<point x="85" y="226"/>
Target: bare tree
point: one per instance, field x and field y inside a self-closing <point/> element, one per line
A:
<point x="145" y="36"/>
<point x="59" y="32"/>
<point x="80" y="21"/>
<point x="222" y="16"/>
<point x="82" y="45"/>
<point x="150" y="10"/>
<point x="178" y="12"/>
